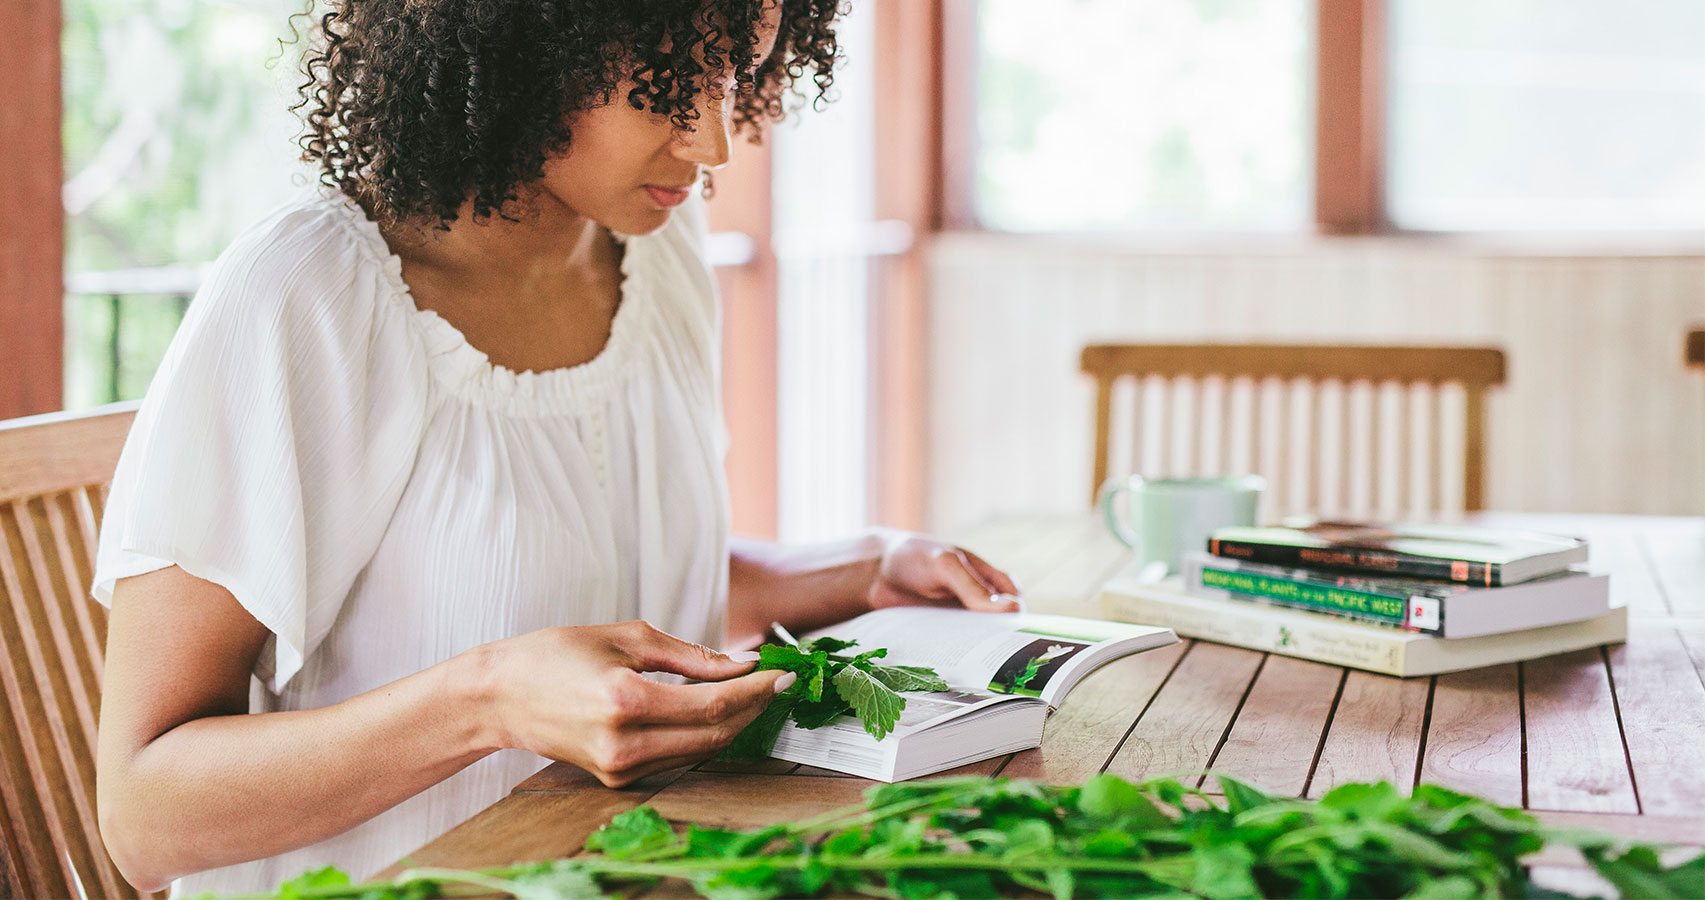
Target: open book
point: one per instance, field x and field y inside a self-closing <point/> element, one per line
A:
<point x="1006" y="672"/>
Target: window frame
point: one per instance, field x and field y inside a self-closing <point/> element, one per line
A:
<point x="1350" y="93"/>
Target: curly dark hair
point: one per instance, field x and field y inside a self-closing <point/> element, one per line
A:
<point x="411" y="107"/>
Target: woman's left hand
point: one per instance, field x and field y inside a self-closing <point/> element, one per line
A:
<point x="916" y="570"/>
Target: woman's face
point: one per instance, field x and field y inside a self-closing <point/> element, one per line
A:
<point x="626" y="169"/>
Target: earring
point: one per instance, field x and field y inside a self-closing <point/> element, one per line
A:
<point x="709" y="189"/>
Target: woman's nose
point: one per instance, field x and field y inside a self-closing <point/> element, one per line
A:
<point x="709" y="143"/>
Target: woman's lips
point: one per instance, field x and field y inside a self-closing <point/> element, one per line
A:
<point x="667" y="197"/>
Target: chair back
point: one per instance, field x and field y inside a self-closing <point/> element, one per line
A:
<point x="1696" y="348"/>
<point x="53" y="475"/>
<point x="1380" y="431"/>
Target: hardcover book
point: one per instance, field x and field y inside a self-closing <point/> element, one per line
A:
<point x="1445" y="609"/>
<point x="1005" y="671"/>
<point x="1341" y="642"/>
<point x="1484" y="556"/>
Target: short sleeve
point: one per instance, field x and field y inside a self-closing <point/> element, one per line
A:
<point x="272" y="447"/>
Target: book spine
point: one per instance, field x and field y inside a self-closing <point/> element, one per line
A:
<point x="1370" y="651"/>
<point x="1357" y="559"/>
<point x="1365" y="606"/>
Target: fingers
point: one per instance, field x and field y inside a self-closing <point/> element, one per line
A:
<point x="994" y="577"/>
<point x="687" y="723"/>
<point x="707" y="703"/>
<point x="969" y="585"/>
<point x="652" y="650"/>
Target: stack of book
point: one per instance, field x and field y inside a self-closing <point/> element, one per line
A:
<point x="1398" y="599"/>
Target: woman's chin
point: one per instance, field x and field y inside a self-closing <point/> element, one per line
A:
<point x="641" y="221"/>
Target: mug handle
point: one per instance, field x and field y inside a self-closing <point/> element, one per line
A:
<point x="1110" y="493"/>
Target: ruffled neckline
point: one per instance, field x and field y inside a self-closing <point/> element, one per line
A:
<point x="468" y="372"/>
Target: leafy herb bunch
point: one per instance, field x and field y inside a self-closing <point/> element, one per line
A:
<point x="831" y="684"/>
<point x="979" y="837"/>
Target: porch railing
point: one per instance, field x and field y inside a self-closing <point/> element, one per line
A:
<point x="175" y="285"/>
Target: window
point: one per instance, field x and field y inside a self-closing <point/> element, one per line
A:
<point x="1546" y="114"/>
<point x="177" y="134"/>
<point x="1114" y="115"/>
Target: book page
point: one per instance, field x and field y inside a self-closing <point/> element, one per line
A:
<point x="1003" y="653"/>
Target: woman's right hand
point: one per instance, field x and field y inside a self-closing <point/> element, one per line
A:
<point x="576" y="694"/>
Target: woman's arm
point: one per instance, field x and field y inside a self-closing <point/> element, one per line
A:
<point x="188" y="781"/>
<point x="806" y="587"/>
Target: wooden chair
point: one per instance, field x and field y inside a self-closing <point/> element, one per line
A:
<point x="1696" y="348"/>
<point x="1335" y="430"/>
<point x="53" y="475"/>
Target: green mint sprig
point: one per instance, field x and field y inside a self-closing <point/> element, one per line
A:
<point x="831" y="684"/>
<point x="978" y="837"/>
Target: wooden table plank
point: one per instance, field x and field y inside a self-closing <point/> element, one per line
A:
<point x="1677" y="553"/>
<point x="1576" y="760"/>
<point x="770" y="766"/>
<point x="1092" y="722"/>
<point x="1189" y="717"/>
<point x="1474" y="737"/>
<point x="1375" y="733"/>
<point x="1069" y="588"/>
<point x="550" y="819"/>
<point x="1278" y="732"/>
<point x="751" y="801"/>
<point x="1663" y="719"/>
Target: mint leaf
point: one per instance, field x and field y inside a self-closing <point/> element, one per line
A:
<point x="785" y="658"/>
<point x="829" y="644"/>
<point x="1112" y="800"/>
<point x="1240" y="796"/>
<point x="636" y="831"/>
<point x="816" y="714"/>
<point x="908" y="678"/>
<point x="318" y="879"/>
<point x="563" y="881"/>
<point x="876" y="705"/>
<point x="758" y="738"/>
<point x="863" y="659"/>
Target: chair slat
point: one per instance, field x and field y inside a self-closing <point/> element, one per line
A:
<point x="77" y="563"/>
<point x="1315" y="452"/>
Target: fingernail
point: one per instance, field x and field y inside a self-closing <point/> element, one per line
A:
<point x="745" y="656"/>
<point x="1003" y="598"/>
<point x="785" y="681"/>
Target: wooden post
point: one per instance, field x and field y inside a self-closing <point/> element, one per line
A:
<point x="742" y="204"/>
<point x="908" y="188"/>
<point x="32" y="218"/>
<point x="1349" y="116"/>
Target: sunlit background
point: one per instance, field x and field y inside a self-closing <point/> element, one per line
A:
<point x="1112" y="170"/>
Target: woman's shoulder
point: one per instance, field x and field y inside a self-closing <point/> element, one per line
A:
<point x="315" y="259"/>
<point x="319" y="237"/>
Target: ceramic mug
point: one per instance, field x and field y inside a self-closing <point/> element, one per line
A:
<point x="1163" y="517"/>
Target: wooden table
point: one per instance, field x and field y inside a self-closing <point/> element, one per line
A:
<point x="1610" y="738"/>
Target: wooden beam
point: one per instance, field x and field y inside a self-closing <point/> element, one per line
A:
<point x="955" y="90"/>
<point x="909" y="134"/>
<point x="1349" y="116"/>
<point x="742" y="203"/>
<point x="32" y="242"/>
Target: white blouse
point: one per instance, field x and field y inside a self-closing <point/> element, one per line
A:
<point x="381" y="496"/>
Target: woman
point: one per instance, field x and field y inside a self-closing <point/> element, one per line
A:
<point x="437" y="451"/>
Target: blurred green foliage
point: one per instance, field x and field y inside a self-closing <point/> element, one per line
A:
<point x="177" y="134"/>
